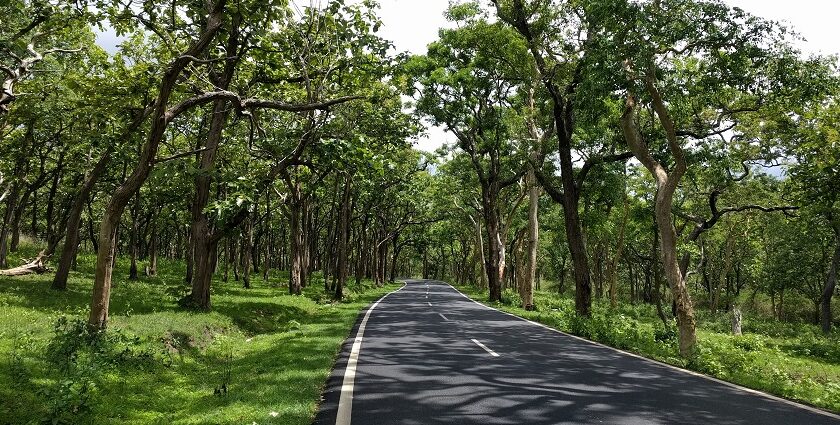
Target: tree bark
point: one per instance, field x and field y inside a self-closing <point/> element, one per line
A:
<point x="619" y="249"/>
<point x="134" y="239"/>
<point x="201" y="232"/>
<point x="247" y="242"/>
<point x="666" y="187"/>
<point x="295" y="249"/>
<point x="343" y="236"/>
<point x="527" y="294"/>
<point x="151" y="269"/>
<point x="71" y="238"/>
<point x="830" y="282"/>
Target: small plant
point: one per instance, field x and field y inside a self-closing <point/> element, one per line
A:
<point x="21" y="344"/>
<point x="665" y="334"/>
<point x="749" y="342"/>
<point x="223" y="351"/>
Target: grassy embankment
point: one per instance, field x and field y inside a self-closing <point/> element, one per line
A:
<point x="160" y="364"/>
<point x="795" y="361"/>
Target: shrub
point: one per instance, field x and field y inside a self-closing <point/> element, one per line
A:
<point x="749" y="342"/>
<point x="810" y="345"/>
<point x="82" y="358"/>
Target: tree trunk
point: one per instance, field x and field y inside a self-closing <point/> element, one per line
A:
<point x="153" y="252"/>
<point x="612" y="267"/>
<point x="479" y="249"/>
<point x="247" y="241"/>
<point x="11" y="203"/>
<point x="134" y="239"/>
<point x="736" y="320"/>
<point x="666" y="187"/>
<point x="343" y="236"/>
<point x="495" y="260"/>
<point x="295" y="249"/>
<point x="204" y="244"/>
<point x="831" y="282"/>
<point x="71" y="238"/>
<point x="727" y="267"/>
<point x="527" y="293"/>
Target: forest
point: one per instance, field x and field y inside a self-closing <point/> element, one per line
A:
<point x="229" y="188"/>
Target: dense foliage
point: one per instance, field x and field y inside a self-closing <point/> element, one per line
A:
<point x="680" y="158"/>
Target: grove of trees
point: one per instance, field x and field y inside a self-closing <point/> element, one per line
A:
<point x="678" y="153"/>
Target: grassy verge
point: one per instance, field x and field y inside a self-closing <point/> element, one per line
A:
<point x="793" y="361"/>
<point x="158" y="364"/>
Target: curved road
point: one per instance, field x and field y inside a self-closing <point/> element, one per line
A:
<point x="429" y="355"/>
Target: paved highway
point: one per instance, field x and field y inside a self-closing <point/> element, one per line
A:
<point x="429" y="355"/>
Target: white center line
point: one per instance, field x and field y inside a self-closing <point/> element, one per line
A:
<point x="492" y="353"/>
<point x="444" y="317"/>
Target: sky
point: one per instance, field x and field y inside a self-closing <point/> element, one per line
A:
<point x="412" y="24"/>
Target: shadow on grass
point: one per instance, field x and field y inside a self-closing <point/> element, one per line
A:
<point x="273" y="351"/>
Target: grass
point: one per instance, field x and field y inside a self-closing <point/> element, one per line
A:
<point x="159" y="364"/>
<point x="794" y="361"/>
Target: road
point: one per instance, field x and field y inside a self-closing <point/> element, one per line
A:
<point x="429" y="355"/>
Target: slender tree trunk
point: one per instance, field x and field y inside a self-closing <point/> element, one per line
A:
<point x="247" y="241"/>
<point x="666" y="187"/>
<point x="71" y="238"/>
<point x="11" y="203"/>
<point x="295" y="249"/>
<point x="394" y="257"/>
<point x="134" y="239"/>
<point x="619" y="249"/>
<point x="727" y="267"/>
<point x="831" y="282"/>
<point x="343" y="236"/>
<point x="268" y="239"/>
<point x="533" y="241"/>
<point x="153" y="250"/>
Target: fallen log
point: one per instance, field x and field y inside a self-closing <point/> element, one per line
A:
<point x="35" y="266"/>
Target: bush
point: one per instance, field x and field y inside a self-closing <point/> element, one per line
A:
<point x="665" y="334"/>
<point x="82" y="358"/>
<point x="749" y="342"/>
<point x="810" y="345"/>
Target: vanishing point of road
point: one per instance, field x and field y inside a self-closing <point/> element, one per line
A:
<point x="426" y="354"/>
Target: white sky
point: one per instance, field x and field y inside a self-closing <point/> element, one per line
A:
<point x="413" y="24"/>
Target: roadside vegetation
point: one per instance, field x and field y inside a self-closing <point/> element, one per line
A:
<point x="261" y="356"/>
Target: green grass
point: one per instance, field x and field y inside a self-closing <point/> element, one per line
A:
<point x="160" y="364"/>
<point x="795" y="361"/>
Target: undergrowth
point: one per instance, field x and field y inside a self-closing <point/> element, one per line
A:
<point x="260" y="356"/>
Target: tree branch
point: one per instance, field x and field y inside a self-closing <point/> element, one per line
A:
<point x="591" y="162"/>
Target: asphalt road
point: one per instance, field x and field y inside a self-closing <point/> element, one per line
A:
<point x="431" y="356"/>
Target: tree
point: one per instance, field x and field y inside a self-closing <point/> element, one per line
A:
<point x="468" y="85"/>
<point x="563" y="70"/>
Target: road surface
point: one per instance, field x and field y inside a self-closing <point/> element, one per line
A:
<point x="429" y="355"/>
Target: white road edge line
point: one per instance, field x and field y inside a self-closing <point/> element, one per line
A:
<point x="492" y="353"/>
<point x="678" y="369"/>
<point x="444" y="317"/>
<point x="345" y="400"/>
